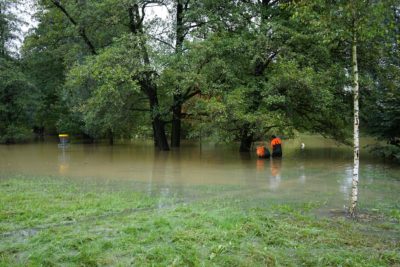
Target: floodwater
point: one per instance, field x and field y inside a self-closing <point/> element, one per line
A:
<point x="322" y="170"/>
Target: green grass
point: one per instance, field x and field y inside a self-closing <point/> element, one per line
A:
<point x="54" y="221"/>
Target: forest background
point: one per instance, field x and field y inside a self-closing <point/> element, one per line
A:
<point x="230" y="71"/>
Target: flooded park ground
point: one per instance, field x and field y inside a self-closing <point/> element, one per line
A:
<point x="96" y="205"/>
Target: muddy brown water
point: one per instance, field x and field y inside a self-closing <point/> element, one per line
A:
<point x="322" y="169"/>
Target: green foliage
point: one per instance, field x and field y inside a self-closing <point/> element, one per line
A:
<point x="384" y="106"/>
<point x="371" y="27"/>
<point x="311" y="98"/>
<point x="388" y="151"/>
<point x="45" y="69"/>
<point x="261" y="83"/>
<point x="9" y="27"/>
<point x="381" y="112"/>
<point x="15" y="134"/>
<point x="245" y="68"/>
<point x="18" y="97"/>
<point x="103" y="91"/>
<point x="17" y="103"/>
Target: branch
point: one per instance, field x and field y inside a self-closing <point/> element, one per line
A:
<point x="162" y="41"/>
<point x="143" y="13"/>
<point x="186" y="5"/>
<point x="195" y="25"/>
<point x="81" y="30"/>
<point x="139" y="109"/>
<point x="188" y="96"/>
<point x="261" y="66"/>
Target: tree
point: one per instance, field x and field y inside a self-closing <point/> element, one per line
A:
<point x="381" y="114"/>
<point x="18" y="100"/>
<point x="17" y="95"/>
<point x="9" y="27"/>
<point x="358" y="29"/>
<point x="353" y="24"/>
<point x="148" y="74"/>
<point x="262" y="77"/>
<point x="79" y="26"/>
<point x="105" y="92"/>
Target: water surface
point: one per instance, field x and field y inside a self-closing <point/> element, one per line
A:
<point x="323" y="170"/>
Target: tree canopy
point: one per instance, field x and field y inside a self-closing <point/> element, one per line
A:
<point x="226" y="70"/>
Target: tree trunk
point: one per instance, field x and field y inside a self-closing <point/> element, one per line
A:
<point x="160" y="137"/>
<point x="356" y="166"/>
<point x="88" y="139"/>
<point x="154" y="133"/>
<point x="246" y="139"/>
<point x="177" y="108"/>
<point x="110" y="137"/>
<point x="176" y="125"/>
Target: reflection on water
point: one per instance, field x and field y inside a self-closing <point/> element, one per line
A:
<point x="275" y="178"/>
<point x="346" y="181"/>
<point x="302" y="174"/>
<point x="63" y="161"/>
<point x="321" y="168"/>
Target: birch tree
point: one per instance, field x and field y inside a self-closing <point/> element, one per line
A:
<point x="356" y="122"/>
<point x="351" y="26"/>
<point x="364" y="21"/>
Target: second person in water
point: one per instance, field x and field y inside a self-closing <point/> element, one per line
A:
<point x="276" y="146"/>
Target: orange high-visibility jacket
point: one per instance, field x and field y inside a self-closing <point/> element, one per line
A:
<point x="276" y="145"/>
<point x="260" y="151"/>
<point x="276" y="141"/>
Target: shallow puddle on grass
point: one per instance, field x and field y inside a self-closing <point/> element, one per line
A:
<point x="322" y="171"/>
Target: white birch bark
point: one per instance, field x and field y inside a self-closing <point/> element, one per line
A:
<point x="356" y="163"/>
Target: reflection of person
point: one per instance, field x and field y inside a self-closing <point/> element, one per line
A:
<point x="276" y="167"/>
<point x="260" y="164"/>
<point x="275" y="178"/>
<point x="276" y="146"/>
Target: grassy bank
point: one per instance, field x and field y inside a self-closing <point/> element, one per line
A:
<point x="54" y="221"/>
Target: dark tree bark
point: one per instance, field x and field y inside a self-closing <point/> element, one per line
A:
<point x="110" y="137"/>
<point x="246" y="139"/>
<point x="176" y="124"/>
<point x="178" y="98"/>
<point x="160" y="137"/>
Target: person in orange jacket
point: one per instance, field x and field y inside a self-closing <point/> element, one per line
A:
<point x="263" y="152"/>
<point x="276" y="146"/>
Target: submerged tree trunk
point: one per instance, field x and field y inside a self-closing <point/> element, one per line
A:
<point x="356" y="166"/>
<point x="110" y="137"/>
<point x="160" y="138"/>
<point x="246" y="139"/>
<point x="177" y="101"/>
<point x="176" y="125"/>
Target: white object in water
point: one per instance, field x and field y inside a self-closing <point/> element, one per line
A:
<point x="302" y="146"/>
